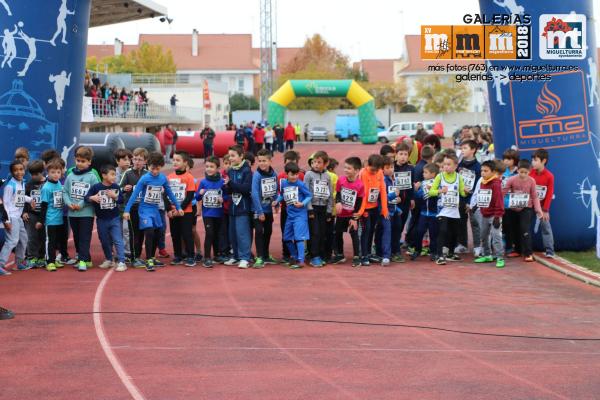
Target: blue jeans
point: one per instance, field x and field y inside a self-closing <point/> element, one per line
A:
<point x="383" y="236"/>
<point x="109" y="232"/>
<point x="239" y="236"/>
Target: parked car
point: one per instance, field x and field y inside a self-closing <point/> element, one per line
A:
<point x="348" y="127"/>
<point x="409" y="129"/>
<point x="318" y="133"/>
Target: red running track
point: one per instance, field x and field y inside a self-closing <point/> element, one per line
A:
<point x="184" y="357"/>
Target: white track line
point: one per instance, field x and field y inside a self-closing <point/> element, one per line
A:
<point x="105" y="344"/>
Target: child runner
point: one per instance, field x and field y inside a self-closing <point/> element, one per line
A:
<point x="36" y="253"/>
<point x="51" y="214"/>
<point x="544" y="181"/>
<point x="429" y="212"/>
<point x="264" y="192"/>
<point x="106" y="197"/>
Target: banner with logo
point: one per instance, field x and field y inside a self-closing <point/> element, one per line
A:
<point x="43" y="69"/>
<point x="551" y="102"/>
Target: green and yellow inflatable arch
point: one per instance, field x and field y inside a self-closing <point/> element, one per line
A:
<point x="358" y="96"/>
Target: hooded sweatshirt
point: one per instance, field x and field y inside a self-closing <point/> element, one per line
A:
<point x="489" y="199"/>
<point x="375" y="189"/>
<point x="213" y="199"/>
<point x="14" y="198"/>
<point x="76" y="187"/>
<point x="524" y="188"/>
<point x="264" y="191"/>
<point x="240" y="187"/>
<point x="321" y="189"/>
<point x="470" y="170"/>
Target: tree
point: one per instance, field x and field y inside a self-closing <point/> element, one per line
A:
<point x="408" y="108"/>
<point x="147" y="59"/>
<point x="240" y="101"/>
<point x="440" y="96"/>
<point x="387" y="94"/>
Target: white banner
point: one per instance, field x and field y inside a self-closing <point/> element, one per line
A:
<point x="87" y="115"/>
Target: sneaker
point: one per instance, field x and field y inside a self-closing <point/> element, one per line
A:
<point x="549" y="254"/>
<point x="162" y="253"/>
<point x="433" y="257"/>
<point x="484" y="259"/>
<point x="82" y="266"/>
<point x="356" y="261"/>
<point x="176" y="261"/>
<point x="198" y="257"/>
<point x="529" y="259"/>
<point x="410" y="250"/>
<point x="220" y="259"/>
<point x="397" y="258"/>
<point x="286" y="260"/>
<point x="243" y="264"/>
<point x="385" y="262"/>
<point x="295" y="264"/>
<point x="460" y="249"/>
<point x="24" y="266"/>
<point x="59" y="264"/>
<point x="454" y="257"/>
<point x="414" y="256"/>
<point x="440" y="261"/>
<point x="89" y="264"/>
<point x="231" y="261"/>
<point x="41" y="263"/>
<point x="4" y="272"/>
<point x="190" y="262"/>
<point x="137" y="263"/>
<point x="375" y="259"/>
<point x="338" y="259"/>
<point x="271" y="260"/>
<point x="208" y="263"/>
<point x="477" y="251"/>
<point x="500" y="263"/>
<point x="106" y="264"/>
<point x="33" y="262"/>
<point x="316" y="262"/>
<point x="51" y="267"/>
<point x="68" y="261"/>
<point x="365" y="262"/>
<point x="514" y="254"/>
<point x="425" y="251"/>
<point x="121" y="267"/>
<point x="258" y="263"/>
<point x="150" y="265"/>
<point x="158" y="263"/>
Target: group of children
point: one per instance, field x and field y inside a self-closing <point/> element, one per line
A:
<point x="386" y="204"/>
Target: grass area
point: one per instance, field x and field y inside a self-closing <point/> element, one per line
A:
<point x="586" y="259"/>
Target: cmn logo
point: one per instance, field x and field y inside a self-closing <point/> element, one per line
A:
<point x="562" y="36"/>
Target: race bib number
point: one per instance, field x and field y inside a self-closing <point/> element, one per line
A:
<point x="484" y="198"/>
<point x="468" y="178"/>
<point x="518" y="200"/>
<point x="426" y="185"/>
<point x="178" y="189"/>
<point x="36" y="196"/>
<point x="236" y="198"/>
<point x="153" y="195"/>
<point x="290" y="195"/>
<point x="403" y="180"/>
<point x="57" y="199"/>
<point x="348" y="198"/>
<point x="450" y="199"/>
<point x="392" y="189"/>
<point x="79" y="190"/>
<point x="212" y="199"/>
<point x="321" y="189"/>
<point x="541" y="191"/>
<point x="268" y="187"/>
<point x="107" y="202"/>
<point x="20" y="198"/>
<point x="373" y="195"/>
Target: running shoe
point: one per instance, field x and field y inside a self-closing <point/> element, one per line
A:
<point x="440" y="261"/>
<point x="316" y="262"/>
<point x="208" y="263"/>
<point x="106" y="264"/>
<point x="500" y="263"/>
<point x="385" y="262"/>
<point x="258" y="263"/>
<point x="190" y="262"/>
<point x="4" y="272"/>
<point x="82" y="266"/>
<point x="121" y="267"/>
<point x="243" y="264"/>
<point x="271" y="260"/>
<point x="529" y="259"/>
<point x="138" y="263"/>
<point x="484" y="259"/>
<point x="176" y="261"/>
<point x="51" y="267"/>
<point x="231" y="261"/>
<point x="356" y="261"/>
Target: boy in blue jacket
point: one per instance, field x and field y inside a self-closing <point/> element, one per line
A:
<point x="297" y="197"/>
<point x="264" y="192"/>
<point x="211" y="196"/>
<point x="238" y="184"/>
<point x="151" y="187"/>
<point x="428" y="207"/>
<point x="404" y="176"/>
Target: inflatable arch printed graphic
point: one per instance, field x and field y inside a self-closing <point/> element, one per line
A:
<point x="348" y="88"/>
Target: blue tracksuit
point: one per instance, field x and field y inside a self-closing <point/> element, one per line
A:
<point x="240" y="187"/>
<point x="296" y="225"/>
<point x="151" y="188"/>
<point x="213" y="190"/>
<point x="264" y="191"/>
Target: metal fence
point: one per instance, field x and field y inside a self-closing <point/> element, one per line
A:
<point x="109" y="109"/>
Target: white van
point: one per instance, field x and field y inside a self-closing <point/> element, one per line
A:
<point x="398" y="129"/>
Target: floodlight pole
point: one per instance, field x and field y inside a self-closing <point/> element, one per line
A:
<point x="268" y="52"/>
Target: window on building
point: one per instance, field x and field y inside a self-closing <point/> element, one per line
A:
<point x="207" y="118"/>
<point x="240" y="85"/>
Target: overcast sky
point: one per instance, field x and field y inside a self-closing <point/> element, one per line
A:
<point x="359" y="28"/>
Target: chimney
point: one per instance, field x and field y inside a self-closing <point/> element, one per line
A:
<point x="195" y="43"/>
<point x="118" y="47"/>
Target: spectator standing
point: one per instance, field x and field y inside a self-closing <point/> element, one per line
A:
<point x="279" y="136"/>
<point x="259" y="138"/>
<point x="289" y="136"/>
<point x="208" y="136"/>
<point x="168" y="142"/>
<point x="306" y="126"/>
<point x="174" y="101"/>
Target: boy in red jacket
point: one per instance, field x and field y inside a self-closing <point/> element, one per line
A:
<point x="491" y="204"/>
<point x="544" y="184"/>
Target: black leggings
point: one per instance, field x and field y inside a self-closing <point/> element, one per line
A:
<point x="341" y="226"/>
<point x="524" y="217"/>
<point x="136" y="237"/>
<point x="510" y="228"/>
<point x="212" y="227"/>
<point x="262" y="235"/>
<point x="447" y="234"/>
<point x="318" y="229"/>
<point x="54" y="242"/>
<point x="181" y="231"/>
<point x="152" y="236"/>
